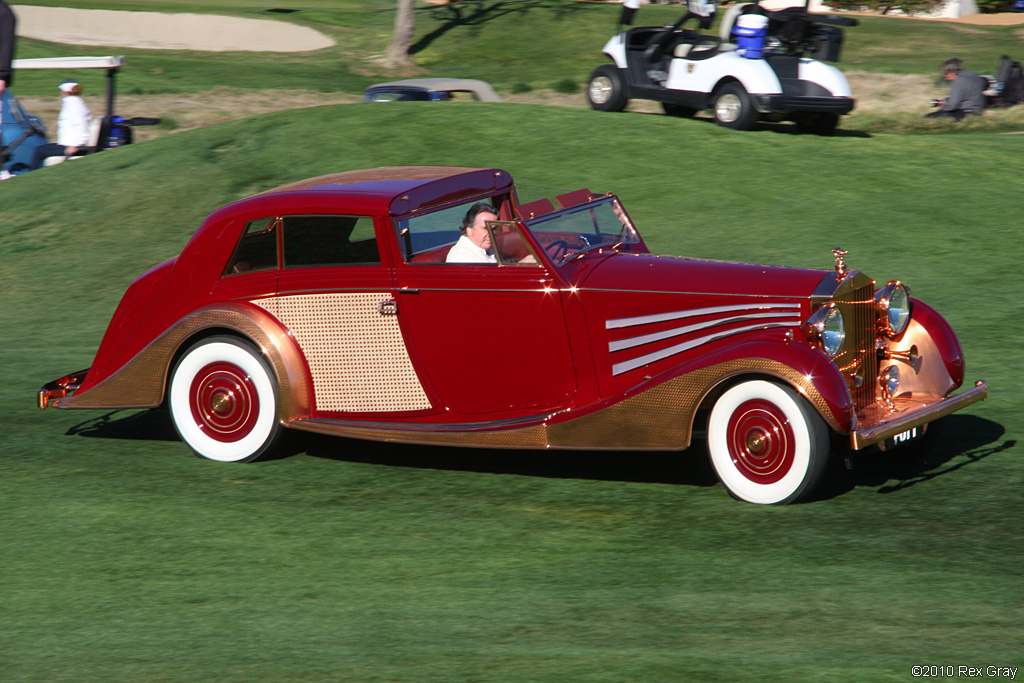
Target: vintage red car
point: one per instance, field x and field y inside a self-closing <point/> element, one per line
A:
<point x="331" y="305"/>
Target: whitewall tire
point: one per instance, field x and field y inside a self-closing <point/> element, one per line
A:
<point x="223" y="400"/>
<point x="766" y="442"/>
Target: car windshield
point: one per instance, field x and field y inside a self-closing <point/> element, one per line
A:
<point x="566" y="233"/>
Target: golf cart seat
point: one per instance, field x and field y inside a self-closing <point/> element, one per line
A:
<point x="95" y="126"/>
<point x="702" y="49"/>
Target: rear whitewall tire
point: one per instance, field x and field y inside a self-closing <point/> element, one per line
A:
<point x="223" y="400"/>
<point x="766" y="443"/>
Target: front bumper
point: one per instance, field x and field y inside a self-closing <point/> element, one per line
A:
<point x="911" y="413"/>
<point x="785" y="104"/>
<point x="60" y="388"/>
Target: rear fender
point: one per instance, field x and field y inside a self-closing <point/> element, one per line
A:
<point x="754" y="75"/>
<point x="142" y="381"/>
<point x="825" y="75"/>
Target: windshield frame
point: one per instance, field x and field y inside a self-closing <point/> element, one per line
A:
<point x="627" y="238"/>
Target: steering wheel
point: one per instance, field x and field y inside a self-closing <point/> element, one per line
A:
<point x="557" y="249"/>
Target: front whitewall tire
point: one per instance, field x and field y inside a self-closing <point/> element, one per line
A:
<point x="766" y="443"/>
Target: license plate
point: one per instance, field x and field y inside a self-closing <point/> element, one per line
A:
<point x="904" y="437"/>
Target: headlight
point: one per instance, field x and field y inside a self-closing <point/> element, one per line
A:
<point x="889" y="380"/>
<point x="826" y="326"/>
<point x="892" y="303"/>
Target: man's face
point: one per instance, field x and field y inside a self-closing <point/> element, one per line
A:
<point x="949" y="76"/>
<point x="477" y="233"/>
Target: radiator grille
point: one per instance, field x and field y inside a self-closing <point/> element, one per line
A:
<point x="858" y="361"/>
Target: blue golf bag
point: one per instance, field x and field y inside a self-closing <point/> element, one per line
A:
<point x="20" y="135"/>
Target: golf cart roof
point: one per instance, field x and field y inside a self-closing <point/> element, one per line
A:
<point x="69" y="63"/>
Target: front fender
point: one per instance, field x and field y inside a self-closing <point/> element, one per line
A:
<point x="805" y="368"/>
<point x="659" y="414"/>
<point x="142" y="381"/>
<point x="939" y="367"/>
<point x="616" y="49"/>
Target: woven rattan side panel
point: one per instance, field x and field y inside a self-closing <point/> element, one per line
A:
<point x="356" y="355"/>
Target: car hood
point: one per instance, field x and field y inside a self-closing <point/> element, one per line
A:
<point x="676" y="274"/>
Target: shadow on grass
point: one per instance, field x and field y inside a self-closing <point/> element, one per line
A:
<point x="963" y="440"/>
<point x="142" y="425"/>
<point x="790" y="128"/>
<point x="472" y="13"/>
<point x="690" y="467"/>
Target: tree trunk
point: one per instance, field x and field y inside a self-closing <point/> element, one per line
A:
<point x="405" y="26"/>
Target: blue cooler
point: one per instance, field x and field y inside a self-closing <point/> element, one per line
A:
<point x="751" y="31"/>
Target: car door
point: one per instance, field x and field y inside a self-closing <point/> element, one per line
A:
<point x="334" y="291"/>
<point x="490" y="337"/>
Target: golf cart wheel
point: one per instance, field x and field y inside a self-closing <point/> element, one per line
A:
<point x="679" y="110"/>
<point x="766" y="443"/>
<point x="734" y="108"/>
<point x="223" y="400"/>
<point x="606" y="91"/>
<point x="818" y="124"/>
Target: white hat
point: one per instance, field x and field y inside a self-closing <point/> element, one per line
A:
<point x="68" y="85"/>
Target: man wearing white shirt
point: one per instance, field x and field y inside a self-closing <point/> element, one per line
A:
<point x="474" y="246"/>
<point x="72" y="125"/>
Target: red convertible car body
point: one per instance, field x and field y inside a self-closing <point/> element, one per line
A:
<point x="327" y="305"/>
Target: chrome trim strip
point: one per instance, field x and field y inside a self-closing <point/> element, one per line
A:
<point x="640" y="361"/>
<point x="686" y="329"/>
<point x="691" y="313"/>
<point x="731" y="295"/>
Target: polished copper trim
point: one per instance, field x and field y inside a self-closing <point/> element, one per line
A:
<point x="912" y="413"/>
<point x="60" y="388"/>
<point x="533" y="437"/>
<point x="839" y="256"/>
<point x="660" y="418"/>
<point x="141" y="382"/>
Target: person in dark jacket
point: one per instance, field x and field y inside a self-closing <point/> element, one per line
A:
<point x="7" y="25"/>
<point x="966" y="92"/>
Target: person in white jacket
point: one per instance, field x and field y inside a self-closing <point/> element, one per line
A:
<point x="72" y="125"/>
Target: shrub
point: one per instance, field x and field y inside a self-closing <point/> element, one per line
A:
<point x="566" y="86"/>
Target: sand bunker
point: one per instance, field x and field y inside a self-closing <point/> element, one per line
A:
<point x="159" y="31"/>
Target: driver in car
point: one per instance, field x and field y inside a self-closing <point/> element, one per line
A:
<point x="474" y="245"/>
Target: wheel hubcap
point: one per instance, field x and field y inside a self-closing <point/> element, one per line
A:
<point x="761" y="442"/>
<point x="728" y="107"/>
<point x="224" y="402"/>
<point x="601" y="90"/>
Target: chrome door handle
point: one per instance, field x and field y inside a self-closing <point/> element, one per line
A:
<point x="389" y="307"/>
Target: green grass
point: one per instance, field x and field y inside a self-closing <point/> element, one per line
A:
<point x="125" y="559"/>
<point x="508" y="42"/>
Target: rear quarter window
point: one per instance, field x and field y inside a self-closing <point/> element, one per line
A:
<point x="329" y="241"/>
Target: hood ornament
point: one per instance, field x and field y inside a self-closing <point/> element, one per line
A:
<point x="838" y="255"/>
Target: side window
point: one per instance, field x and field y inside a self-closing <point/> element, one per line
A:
<point x="428" y="238"/>
<point x="329" y="241"/>
<point x="257" y="248"/>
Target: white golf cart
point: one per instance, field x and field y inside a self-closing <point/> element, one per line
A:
<point x="763" y="65"/>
